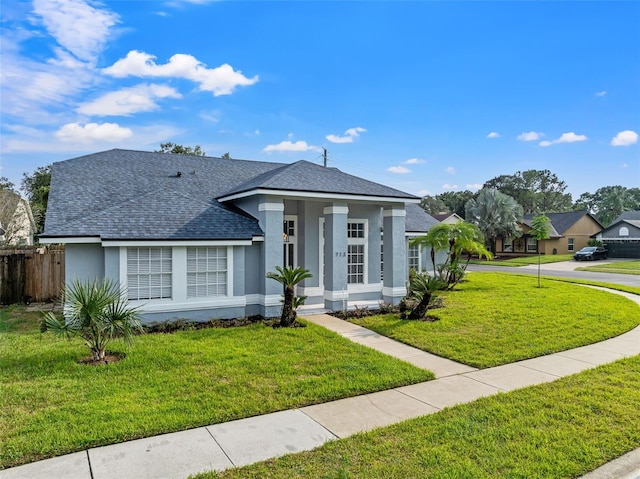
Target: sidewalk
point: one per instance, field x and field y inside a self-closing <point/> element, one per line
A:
<point x="245" y="441"/>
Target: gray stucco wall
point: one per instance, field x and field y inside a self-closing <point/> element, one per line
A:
<point x="84" y="262"/>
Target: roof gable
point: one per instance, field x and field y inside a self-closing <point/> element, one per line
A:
<point x="561" y="222"/>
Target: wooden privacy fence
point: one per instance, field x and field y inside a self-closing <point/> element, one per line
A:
<point x="31" y="274"/>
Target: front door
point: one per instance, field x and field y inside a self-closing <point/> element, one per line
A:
<point x="290" y="235"/>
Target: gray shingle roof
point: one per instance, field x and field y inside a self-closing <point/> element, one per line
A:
<point x="124" y="194"/>
<point x="418" y="220"/>
<point x="627" y="215"/>
<point x="561" y="222"/>
<point x="309" y="177"/>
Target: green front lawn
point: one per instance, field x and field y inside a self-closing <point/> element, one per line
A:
<point x="527" y="260"/>
<point x="626" y="267"/>
<point x="497" y="318"/>
<point x="556" y="430"/>
<point x="51" y="405"/>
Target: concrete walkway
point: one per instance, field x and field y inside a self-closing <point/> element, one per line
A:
<point x="242" y="442"/>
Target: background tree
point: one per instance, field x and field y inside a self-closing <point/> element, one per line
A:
<point x="433" y="206"/>
<point x="495" y="214"/>
<point x="36" y="189"/>
<point x="608" y="202"/>
<point x="540" y="228"/>
<point x="226" y="156"/>
<point x="456" y="200"/>
<point x="5" y="184"/>
<point x="180" y="150"/>
<point x="289" y="277"/>
<point x="537" y="191"/>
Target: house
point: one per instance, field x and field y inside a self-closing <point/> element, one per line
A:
<point x="17" y="225"/>
<point x="570" y="232"/>
<point x="193" y="237"/>
<point x="448" y="218"/>
<point x="622" y="237"/>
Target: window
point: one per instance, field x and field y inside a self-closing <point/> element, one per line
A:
<point x="355" y="230"/>
<point x="624" y="231"/>
<point x="507" y="245"/>
<point x="355" y="264"/>
<point x="532" y="245"/>
<point x="381" y="257"/>
<point x="206" y="272"/>
<point x="571" y="245"/>
<point x="356" y="252"/>
<point x="414" y="257"/>
<point x="149" y="273"/>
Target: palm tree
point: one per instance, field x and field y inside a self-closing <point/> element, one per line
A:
<point x="496" y="214"/>
<point x="97" y="311"/>
<point x="289" y="277"/>
<point x="456" y="239"/>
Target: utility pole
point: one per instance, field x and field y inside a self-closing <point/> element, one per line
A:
<point x="324" y="156"/>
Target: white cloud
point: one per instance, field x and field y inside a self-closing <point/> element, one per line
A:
<point x="290" y="146"/>
<point x="128" y="100"/>
<point x="212" y="116"/>
<point x="601" y="93"/>
<point x="350" y="135"/>
<point x="221" y="80"/>
<point x="423" y="192"/>
<point x="625" y="138"/>
<point x="624" y="165"/>
<point x="530" y="136"/>
<point x="75" y="132"/>
<point x="493" y="134"/>
<point x="413" y="161"/>
<point x="474" y="186"/>
<point x="77" y="26"/>
<point x="451" y="170"/>
<point x="401" y="170"/>
<point x="569" y="137"/>
<point x="447" y="186"/>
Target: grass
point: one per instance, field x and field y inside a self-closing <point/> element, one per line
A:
<point x="618" y="287"/>
<point x="51" y="405"/>
<point x="498" y="318"/>
<point x="626" y="267"/>
<point x="554" y="431"/>
<point x="526" y="260"/>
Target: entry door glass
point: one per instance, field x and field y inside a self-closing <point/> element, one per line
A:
<point x="290" y="239"/>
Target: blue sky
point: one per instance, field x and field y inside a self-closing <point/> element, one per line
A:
<point x="426" y="97"/>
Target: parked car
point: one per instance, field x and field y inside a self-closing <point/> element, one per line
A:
<point x="590" y="253"/>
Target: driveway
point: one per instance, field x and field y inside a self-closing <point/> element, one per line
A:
<point x="565" y="269"/>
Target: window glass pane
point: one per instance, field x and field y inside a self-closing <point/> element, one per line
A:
<point x="149" y="273"/>
<point x="207" y="271"/>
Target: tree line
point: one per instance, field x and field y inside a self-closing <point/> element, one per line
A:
<point x="541" y="192"/>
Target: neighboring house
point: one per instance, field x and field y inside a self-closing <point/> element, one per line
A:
<point x="193" y="237"/>
<point x="622" y="237"/>
<point x="448" y="218"/>
<point x="570" y="232"/>
<point x="16" y="220"/>
<point x="418" y="222"/>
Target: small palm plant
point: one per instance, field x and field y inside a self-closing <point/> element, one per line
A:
<point x="97" y="311"/>
<point x="422" y="286"/>
<point x="289" y="277"/>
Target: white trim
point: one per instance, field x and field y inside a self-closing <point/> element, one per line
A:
<point x="394" y="292"/>
<point x="270" y="206"/>
<point x="257" y="239"/>
<point x="164" y="305"/>
<point x="364" y="288"/>
<point x="394" y="212"/>
<point x="148" y="243"/>
<point x="71" y="240"/>
<point x="335" y="210"/>
<point x="310" y="194"/>
<point x="262" y="300"/>
<point x="336" y="295"/>
<point x="311" y="291"/>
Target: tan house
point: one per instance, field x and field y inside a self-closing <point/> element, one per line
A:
<point x="448" y="218"/>
<point x="570" y="232"/>
<point x="16" y="220"/>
